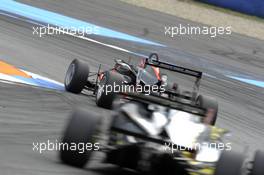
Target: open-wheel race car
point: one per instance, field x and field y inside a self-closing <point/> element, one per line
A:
<point x="148" y="72"/>
<point x="158" y="137"/>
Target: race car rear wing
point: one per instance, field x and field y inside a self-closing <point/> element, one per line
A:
<point x="178" y="69"/>
<point x="172" y="67"/>
<point x="159" y="100"/>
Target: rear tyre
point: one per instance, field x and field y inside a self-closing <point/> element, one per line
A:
<point x="164" y="164"/>
<point x="208" y="103"/>
<point x="80" y="130"/>
<point x="173" y="87"/>
<point x="230" y="163"/>
<point x="109" y="80"/>
<point x="258" y="168"/>
<point x="76" y="76"/>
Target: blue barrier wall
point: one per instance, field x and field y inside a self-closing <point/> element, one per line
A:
<point x="252" y="7"/>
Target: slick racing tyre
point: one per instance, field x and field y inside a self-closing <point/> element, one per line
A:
<point x="230" y="163"/>
<point x="105" y="98"/>
<point x="81" y="129"/>
<point x="163" y="164"/>
<point x="258" y="168"/>
<point x="209" y="104"/>
<point x="76" y="76"/>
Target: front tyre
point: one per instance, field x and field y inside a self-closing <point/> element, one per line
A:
<point x="230" y="163"/>
<point x="258" y="168"/>
<point x="105" y="94"/>
<point x="76" y="76"/>
<point x="81" y="129"/>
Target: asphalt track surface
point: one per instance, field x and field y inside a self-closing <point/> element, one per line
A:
<point x="35" y="115"/>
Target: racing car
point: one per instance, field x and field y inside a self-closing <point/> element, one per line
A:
<point x="158" y="137"/>
<point x="147" y="73"/>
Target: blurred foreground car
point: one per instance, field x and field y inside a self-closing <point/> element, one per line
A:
<point x="150" y="71"/>
<point x="159" y="137"/>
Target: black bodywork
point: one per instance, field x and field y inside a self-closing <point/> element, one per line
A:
<point x="130" y="73"/>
